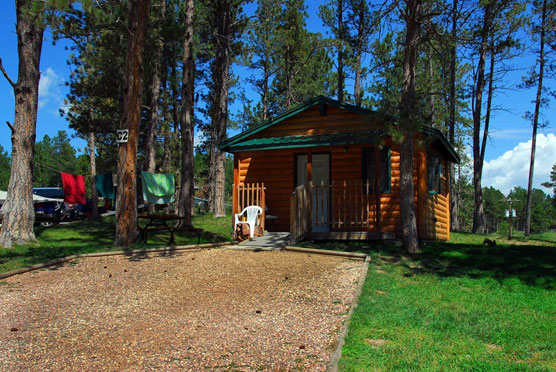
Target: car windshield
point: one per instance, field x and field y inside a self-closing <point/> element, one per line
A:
<point x="49" y="192"/>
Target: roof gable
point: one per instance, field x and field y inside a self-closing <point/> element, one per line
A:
<point x="252" y="139"/>
<point x="320" y="101"/>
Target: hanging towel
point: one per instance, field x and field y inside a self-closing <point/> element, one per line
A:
<point x="74" y="188"/>
<point x="105" y="186"/>
<point x="158" y="188"/>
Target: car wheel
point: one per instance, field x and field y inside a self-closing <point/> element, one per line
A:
<point x="47" y="223"/>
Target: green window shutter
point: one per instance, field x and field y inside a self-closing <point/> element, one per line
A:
<point x="434" y="173"/>
<point x="368" y="168"/>
<point x="386" y="170"/>
<point x="364" y="160"/>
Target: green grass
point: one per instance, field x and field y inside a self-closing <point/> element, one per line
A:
<point x="457" y="306"/>
<point x="98" y="236"/>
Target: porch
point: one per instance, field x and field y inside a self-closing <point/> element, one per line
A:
<point x="341" y="210"/>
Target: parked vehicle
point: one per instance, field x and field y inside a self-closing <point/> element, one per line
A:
<point x="50" y="209"/>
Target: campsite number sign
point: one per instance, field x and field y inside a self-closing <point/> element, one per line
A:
<point x="122" y="135"/>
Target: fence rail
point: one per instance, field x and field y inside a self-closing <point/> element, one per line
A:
<point x="348" y="205"/>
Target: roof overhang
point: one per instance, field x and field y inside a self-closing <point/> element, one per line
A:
<point x="304" y="141"/>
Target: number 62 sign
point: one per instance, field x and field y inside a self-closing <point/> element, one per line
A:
<point x="122" y="135"/>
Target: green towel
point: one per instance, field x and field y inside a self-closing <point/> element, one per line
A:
<point x="105" y="187"/>
<point x="158" y="188"/>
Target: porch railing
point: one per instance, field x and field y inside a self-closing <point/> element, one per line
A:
<point x="246" y="194"/>
<point x="347" y="205"/>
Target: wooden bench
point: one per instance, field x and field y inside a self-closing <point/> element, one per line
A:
<point x="159" y="222"/>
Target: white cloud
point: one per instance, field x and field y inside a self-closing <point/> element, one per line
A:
<point x="512" y="168"/>
<point x="50" y="89"/>
<point x="510" y="133"/>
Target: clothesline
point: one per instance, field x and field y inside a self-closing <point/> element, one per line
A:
<point x="48" y="166"/>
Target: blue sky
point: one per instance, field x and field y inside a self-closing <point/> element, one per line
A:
<point x="506" y="155"/>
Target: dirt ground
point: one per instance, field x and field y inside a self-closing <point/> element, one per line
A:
<point x="210" y="310"/>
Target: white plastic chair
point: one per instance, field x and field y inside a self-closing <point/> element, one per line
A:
<point x="252" y="212"/>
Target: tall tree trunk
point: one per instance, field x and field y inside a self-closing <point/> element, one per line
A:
<point x="93" y="166"/>
<point x="221" y="75"/>
<point x="454" y="220"/>
<point x="152" y="124"/>
<point x="432" y="108"/>
<point x="18" y="215"/>
<point x="340" y="15"/>
<point x="126" y="200"/>
<point x="490" y="93"/>
<point x="359" y="53"/>
<point x="265" y="91"/>
<point x="478" y="210"/>
<point x="409" y="221"/>
<point x="187" y="122"/>
<point x="535" y="124"/>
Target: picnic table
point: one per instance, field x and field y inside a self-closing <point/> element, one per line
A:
<point x="160" y="222"/>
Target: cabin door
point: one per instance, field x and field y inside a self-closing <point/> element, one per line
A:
<point x="321" y="177"/>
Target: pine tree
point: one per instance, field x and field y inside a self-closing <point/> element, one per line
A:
<point x="18" y="214"/>
<point x="226" y="22"/>
<point x="545" y="34"/>
<point x="126" y="199"/>
<point x="187" y="118"/>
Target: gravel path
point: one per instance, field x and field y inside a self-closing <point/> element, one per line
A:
<point x="211" y="310"/>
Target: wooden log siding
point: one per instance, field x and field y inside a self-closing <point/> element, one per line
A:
<point x="300" y="213"/>
<point x="311" y="122"/>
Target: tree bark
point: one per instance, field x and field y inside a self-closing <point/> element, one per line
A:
<point x="187" y="120"/>
<point x="412" y="15"/>
<point x="454" y="220"/>
<point x="478" y="210"/>
<point x="535" y="124"/>
<point x="18" y="215"/>
<point x="359" y="53"/>
<point x="92" y="164"/>
<point x="126" y="203"/>
<point x="340" y="15"/>
<point x="220" y="111"/>
<point x="152" y="124"/>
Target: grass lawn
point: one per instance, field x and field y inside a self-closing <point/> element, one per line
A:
<point x="457" y="306"/>
<point x="98" y="236"/>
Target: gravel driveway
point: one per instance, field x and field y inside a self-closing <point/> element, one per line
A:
<point x="210" y="310"/>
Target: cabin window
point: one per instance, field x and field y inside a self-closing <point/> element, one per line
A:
<point x="368" y="164"/>
<point x="434" y="171"/>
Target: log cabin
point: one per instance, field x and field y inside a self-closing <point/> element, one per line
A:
<point x="330" y="170"/>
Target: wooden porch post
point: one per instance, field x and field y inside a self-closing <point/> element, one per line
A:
<point x="447" y="188"/>
<point x="310" y="188"/>
<point x="309" y="166"/>
<point x="235" y="188"/>
<point x="422" y="196"/>
<point x="377" y="186"/>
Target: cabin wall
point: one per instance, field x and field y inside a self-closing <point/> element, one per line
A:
<point x="275" y="168"/>
<point x="437" y="210"/>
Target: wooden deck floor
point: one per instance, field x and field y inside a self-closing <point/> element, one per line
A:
<point x="270" y="240"/>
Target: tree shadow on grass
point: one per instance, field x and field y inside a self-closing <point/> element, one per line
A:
<point x="532" y="265"/>
<point x="89" y="237"/>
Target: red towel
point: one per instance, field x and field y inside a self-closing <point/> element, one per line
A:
<point x="74" y="188"/>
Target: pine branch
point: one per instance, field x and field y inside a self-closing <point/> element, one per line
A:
<point x="6" y="75"/>
<point x="11" y="127"/>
